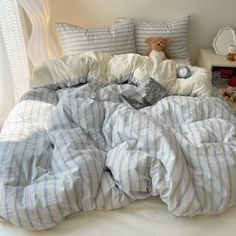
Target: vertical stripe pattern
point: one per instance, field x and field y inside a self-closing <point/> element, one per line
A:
<point x="81" y="149"/>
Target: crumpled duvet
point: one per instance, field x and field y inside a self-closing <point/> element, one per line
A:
<point x="104" y="69"/>
<point x="80" y="148"/>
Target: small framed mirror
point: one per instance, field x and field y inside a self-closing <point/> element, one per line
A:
<point x="225" y="37"/>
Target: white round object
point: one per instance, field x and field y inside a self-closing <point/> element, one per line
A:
<point x="183" y="72"/>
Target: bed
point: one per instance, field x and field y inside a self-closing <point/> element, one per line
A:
<point x="73" y="145"/>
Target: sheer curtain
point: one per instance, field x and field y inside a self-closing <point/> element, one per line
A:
<point x="7" y="98"/>
<point x="14" y="70"/>
<point x="38" y="12"/>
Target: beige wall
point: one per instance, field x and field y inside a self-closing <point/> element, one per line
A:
<point x="207" y="16"/>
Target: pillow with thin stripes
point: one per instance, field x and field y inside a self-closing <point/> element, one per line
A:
<point x="177" y="30"/>
<point x="118" y="39"/>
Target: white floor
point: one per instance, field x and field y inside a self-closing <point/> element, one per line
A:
<point x="143" y="218"/>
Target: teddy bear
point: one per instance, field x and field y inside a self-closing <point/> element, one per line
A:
<point x="157" y="47"/>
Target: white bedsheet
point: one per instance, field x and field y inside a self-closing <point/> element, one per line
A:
<point x="145" y="217"/>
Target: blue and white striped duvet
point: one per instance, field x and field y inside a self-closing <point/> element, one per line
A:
<point x="80" y="149"/>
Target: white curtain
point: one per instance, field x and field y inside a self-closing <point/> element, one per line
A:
<point x="7" y="98"/>
<point x="41" y="44"/>
<point x="14" y="70"/>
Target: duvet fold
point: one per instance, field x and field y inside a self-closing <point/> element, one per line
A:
<point x="103" y="69"/>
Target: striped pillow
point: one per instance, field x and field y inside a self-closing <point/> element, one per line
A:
<point x="177" y="30"/>
<point x="117" y="39"/>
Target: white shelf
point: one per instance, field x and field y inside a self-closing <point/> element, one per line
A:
<point x="207" y="59"/>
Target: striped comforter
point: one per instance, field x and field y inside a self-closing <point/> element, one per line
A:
<point x="81" y="148"/>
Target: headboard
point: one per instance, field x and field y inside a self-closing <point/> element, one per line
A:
<point x="207" y="16"/>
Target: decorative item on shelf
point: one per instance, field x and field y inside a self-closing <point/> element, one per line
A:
<point x="225" y="38"/>
<point x="232" y="53"/>
<point x="232" y="82"/>
<point x="222" y="74"/>
<point x="183" y="72"/>
<point x="216" y="77"/>
<point x="228" y="95"/>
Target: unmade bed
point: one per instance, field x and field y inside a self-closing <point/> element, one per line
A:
<point x="77" y="157"/>
<point x="72" y="145"/>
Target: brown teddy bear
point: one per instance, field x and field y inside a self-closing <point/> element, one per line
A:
<point x="157" y="47"/>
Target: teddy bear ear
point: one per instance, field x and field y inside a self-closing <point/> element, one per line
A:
<point x="167" y="40"/>
<point x="149" y="40"/>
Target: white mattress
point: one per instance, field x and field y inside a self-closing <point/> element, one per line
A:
<point x="146" y="217"/>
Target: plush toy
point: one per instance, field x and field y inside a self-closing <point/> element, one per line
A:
<point x="231" y="57"/>
<point x="227" y="94"/>
<point x="232" y="53"/>
<point x="157" y="47"/>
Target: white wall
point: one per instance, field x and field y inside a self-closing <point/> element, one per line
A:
<point x="207" y="16"/>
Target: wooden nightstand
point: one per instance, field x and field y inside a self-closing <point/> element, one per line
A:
<point x="215" y="63"/>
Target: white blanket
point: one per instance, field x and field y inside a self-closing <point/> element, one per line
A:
<point x="104" y="68"/>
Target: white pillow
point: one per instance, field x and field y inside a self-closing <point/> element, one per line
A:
<point x="177" y="30"/>
<point x="117" y="39"/>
